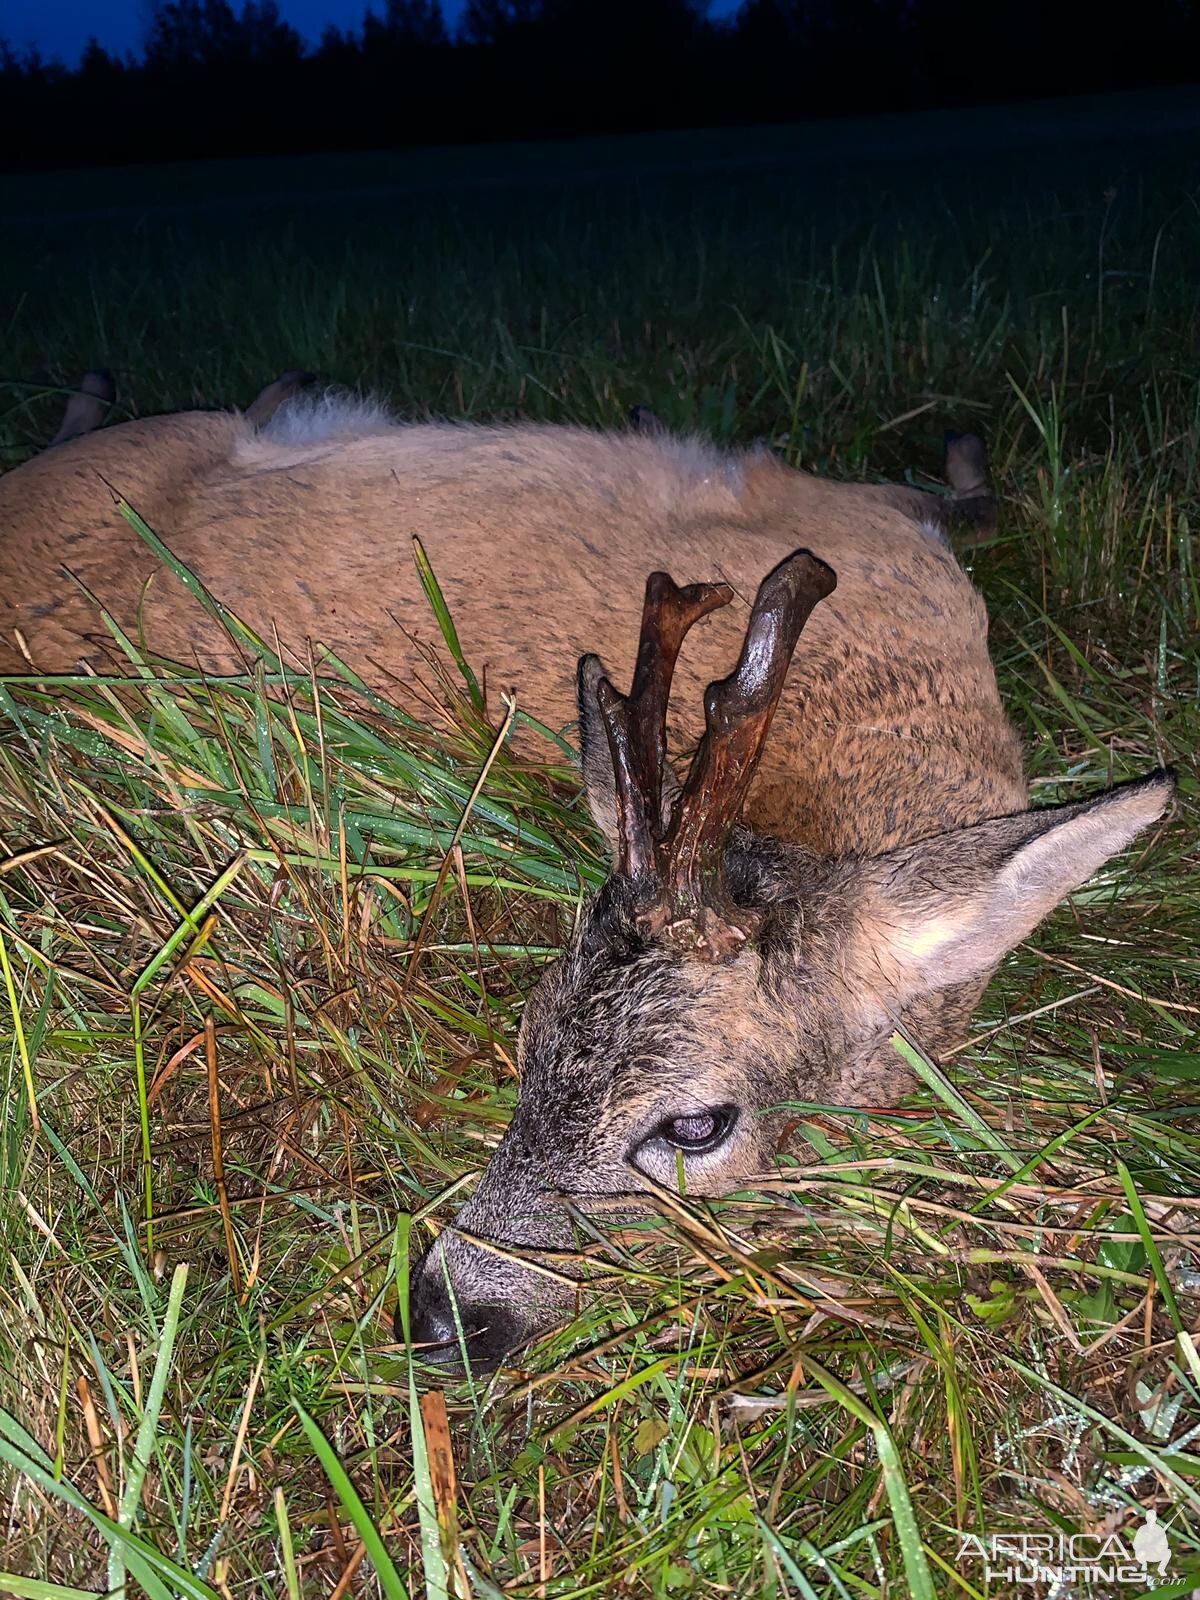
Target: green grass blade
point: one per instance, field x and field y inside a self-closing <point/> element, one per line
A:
<point x="916" y="1563"/>
<point x="949" y="1095"/>
<point x="38" y="1589"/>
<point x="1153" y="1253"/>
<point x="441" y="611"/>
<point x="161" y="1578"/>
<point x="291" y="1575"/>
<point x="144" y="1444"/>
<point x="385" y="1569"/>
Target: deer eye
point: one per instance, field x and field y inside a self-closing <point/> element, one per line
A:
<point x="698" y="1130"/>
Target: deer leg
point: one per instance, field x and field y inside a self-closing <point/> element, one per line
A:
<point x="974" y="504"/>
<point x="264" y="406"/>
<point x="643" y="420"/>
<point x="968" y="512"/>
<point x="87" y="408"/>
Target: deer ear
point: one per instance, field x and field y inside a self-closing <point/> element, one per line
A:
<point x="599" y="781"/>
<point x="947" y="910"/>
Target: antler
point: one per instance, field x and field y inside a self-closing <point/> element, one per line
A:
<point x="636" y="723"/>
<point x="678" y="859"/>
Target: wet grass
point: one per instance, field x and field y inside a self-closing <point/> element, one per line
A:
<point x="263" y="947"/>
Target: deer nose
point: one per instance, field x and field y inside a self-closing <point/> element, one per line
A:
<point x="433" y="1325"/>
<point x="489" y="1332"/>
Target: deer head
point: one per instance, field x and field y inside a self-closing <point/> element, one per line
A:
<point x="719" y="976"/>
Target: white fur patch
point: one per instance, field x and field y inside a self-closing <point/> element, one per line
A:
<point x="624" y="474"/>
<point x="698" y="460"/>
<point x="322" y="418"/>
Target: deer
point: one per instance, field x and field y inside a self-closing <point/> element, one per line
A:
<point x="849" y="851"/>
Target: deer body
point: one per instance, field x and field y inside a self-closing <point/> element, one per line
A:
<point x="891" y="727"/>
<point x="724" y="971"/>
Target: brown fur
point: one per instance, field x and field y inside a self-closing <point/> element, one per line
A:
<point x="541" y="539"/>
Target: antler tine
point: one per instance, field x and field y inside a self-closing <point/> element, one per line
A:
<point x="636" y="724"/>
<point x="737" y="715"/>
<point x="668" y="614"/>
<point x="635" y="856"/>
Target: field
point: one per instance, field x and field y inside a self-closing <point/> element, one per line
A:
<point x="282" y="900"/>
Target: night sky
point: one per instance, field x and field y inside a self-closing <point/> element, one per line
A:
<point x="60" y="28"/>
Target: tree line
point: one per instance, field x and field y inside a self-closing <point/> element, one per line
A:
<point x="214" y="80"/>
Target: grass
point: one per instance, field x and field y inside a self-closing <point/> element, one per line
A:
<point x="263" y="946"/>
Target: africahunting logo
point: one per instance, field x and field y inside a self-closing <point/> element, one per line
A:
<point x="1057" y="1560"/>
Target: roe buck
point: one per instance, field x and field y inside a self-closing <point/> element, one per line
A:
<point x="771" y="919"/>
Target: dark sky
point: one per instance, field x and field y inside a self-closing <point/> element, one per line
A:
<point x="61" y="27"/>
